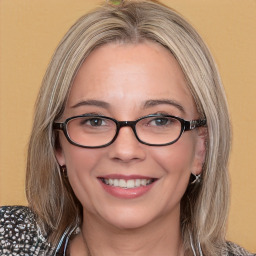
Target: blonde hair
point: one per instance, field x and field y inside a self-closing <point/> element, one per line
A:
<point x="204" y="207"/>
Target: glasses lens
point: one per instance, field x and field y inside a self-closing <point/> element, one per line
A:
<point x="91" y="131"/>
<point x="158" y="130"/>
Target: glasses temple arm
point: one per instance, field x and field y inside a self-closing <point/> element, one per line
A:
<point x="57" y="126"/>
<point x="190" y="125"/>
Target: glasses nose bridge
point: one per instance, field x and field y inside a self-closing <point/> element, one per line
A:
<point x="131" y="124"/>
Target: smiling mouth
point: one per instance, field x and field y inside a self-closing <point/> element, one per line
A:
<point x="127" y="184"/>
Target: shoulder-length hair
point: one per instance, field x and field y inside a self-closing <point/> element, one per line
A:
<point x="204" y="207"/>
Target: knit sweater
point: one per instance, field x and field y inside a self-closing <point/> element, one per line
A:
<point x="20" y="234"/>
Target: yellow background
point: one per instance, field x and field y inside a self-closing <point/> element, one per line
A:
<point x="29" y="33"/>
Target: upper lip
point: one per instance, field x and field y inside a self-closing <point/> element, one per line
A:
<point x="125" y="177"/>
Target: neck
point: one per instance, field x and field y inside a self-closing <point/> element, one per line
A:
<point x="98" y="238"/>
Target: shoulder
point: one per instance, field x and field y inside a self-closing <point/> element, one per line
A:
<point x="15" y="212"/>
<point x="236" y="250"/>
<point x="19" y="232"/>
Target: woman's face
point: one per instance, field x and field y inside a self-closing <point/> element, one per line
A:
<point x="125" y="82"/>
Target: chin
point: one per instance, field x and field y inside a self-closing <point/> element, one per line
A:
<point x="127" y="223"/>
<point x="126" y="218"/>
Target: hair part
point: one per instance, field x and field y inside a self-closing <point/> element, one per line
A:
<point x="204" y="207"/>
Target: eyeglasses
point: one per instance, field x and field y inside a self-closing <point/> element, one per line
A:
<point x="95" y="131"/>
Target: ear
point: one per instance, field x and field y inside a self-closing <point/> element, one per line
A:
<point x="200" y="150"/>
<point x="59" y="154"/>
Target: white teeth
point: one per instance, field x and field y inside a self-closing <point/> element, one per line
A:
<point x="143" y="182"/>
<point x="137" y="183"/>
<point x="133" y="183"/>
<point x="122" y="183"/>
<point x="116" y="183"/>
<point x="130" y="184"/>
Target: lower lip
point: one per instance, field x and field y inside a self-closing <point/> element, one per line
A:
<point x="127" y="193"/>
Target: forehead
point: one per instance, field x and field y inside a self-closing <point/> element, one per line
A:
<point x="130" y="73"/>
<point x="130" y="59"/>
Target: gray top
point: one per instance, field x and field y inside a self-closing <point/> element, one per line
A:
<point x="21" y="235"/>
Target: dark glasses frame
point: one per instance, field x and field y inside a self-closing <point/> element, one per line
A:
<point x="185" y="126"/>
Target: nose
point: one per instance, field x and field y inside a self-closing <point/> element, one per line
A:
<point x="126" y="147"/>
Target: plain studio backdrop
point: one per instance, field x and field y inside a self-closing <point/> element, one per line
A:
<point x="30" y="31"/>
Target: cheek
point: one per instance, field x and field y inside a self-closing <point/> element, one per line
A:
<point x="176" y="162"/>
<point x="81" y="161"/>
<point x="81" y="167"/>
<point x="177" y="158"/>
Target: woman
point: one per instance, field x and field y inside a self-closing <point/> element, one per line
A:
<point x="129" y="148"/>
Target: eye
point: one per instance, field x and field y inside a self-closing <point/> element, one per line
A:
<point x="96" y="122"/>
<point x="160" y="121"/>
<point x="93" y="121"/>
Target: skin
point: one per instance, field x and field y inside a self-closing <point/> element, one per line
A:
<point x="126" y="76"/>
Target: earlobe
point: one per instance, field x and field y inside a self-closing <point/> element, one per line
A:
<point x="200" y="152"/>
<point x="59" y="154"/>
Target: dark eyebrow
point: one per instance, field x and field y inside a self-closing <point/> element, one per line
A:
<point x="97" y="103"/>
<point x="152" y="103"/>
